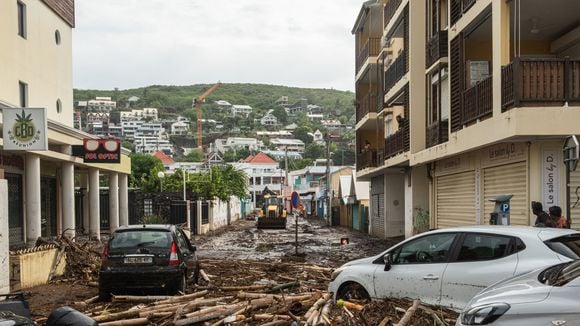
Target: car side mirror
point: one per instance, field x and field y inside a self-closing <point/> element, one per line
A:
<point x="388" y="260"/>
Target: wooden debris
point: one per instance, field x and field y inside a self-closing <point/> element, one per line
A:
<point x="261" y="297"/>
<point x="204" y="275"/>
<point x="408" y="314"/>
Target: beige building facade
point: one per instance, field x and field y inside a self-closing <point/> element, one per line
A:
<point x="50" y="192"/>
<point x="463" y="101"/>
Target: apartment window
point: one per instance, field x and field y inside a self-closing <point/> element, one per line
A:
<point x="58" y="106"/>
<point x="23" y="91"/>
<point x="57" y="37"/>
<point x="438" y="100"/>
<point x="21" y="19"/>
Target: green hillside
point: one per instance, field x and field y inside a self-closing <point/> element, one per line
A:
<point x="172" y="100"/>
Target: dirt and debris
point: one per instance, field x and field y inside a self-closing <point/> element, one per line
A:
<point x="252" y="277"/>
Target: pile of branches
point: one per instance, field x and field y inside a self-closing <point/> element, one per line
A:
<point x="83" y="260"/>
<point x="240" y="292"/>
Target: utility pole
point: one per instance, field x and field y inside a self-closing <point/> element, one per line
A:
<point x="328" y="199"/>
<point x="286" y="166"/>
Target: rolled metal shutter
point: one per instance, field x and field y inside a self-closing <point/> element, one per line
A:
<point x="507" y="179"/>
<point x="455" y="199"/>
<point x="574" y="199"/>
<point x="377" y="207"/>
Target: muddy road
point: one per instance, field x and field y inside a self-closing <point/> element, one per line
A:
<point x="241" y="255"/>
<point x="318" y="244"/>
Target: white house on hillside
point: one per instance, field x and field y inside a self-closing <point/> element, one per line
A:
<point x="244" y="110"/>
<point x="269" y="119"/>
<point x="292" y="145"/>
<point x="103" y="104"/>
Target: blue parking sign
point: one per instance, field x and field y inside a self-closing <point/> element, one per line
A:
<point x="505" y="207"/>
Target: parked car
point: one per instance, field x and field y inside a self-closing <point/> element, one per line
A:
<point x="14" y="310"/>
<point x="450" y="266"/>
<point x="147" y="258"/>
<point x="547" y="296"/>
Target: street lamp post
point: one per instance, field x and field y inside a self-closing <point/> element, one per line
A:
<point x="160" y="175"/>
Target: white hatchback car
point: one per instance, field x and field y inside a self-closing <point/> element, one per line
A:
<point x="450" y="266"/>
<point x="547" y="296"/>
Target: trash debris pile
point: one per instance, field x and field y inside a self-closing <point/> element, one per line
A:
<point x="237" y="292"/>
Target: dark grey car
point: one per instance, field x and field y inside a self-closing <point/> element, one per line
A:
<point x="147" y="259"/>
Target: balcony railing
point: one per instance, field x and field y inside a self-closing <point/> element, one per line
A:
<point x="366" y="105"/>
<point x="371" y="48"/>
<point x="395" y="71"/>
<point x="436" y="48"/>
<point x="397" y="143"/>
<point x="389" y="11"/>
<point x="477" y="101"/>
<point x="437" y="133"/>
<point x="459" y="8"/>
<point x="540" y="82"/>
<point x="366" y="160"/>
<point x="467" y="4"/>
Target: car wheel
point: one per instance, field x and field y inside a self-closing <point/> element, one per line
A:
<point x="352" y="290"/>
<point x="196" y="273"/>
<point x="104" y="294"/>
<point x="182" y="285"/>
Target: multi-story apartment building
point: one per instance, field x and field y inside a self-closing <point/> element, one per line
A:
<point x="37" y="73"/>
<point x="285" y="144"/>
<point x="262" y="172"/>
<point x="102" y="104"/>
<point x="462" y="101"/>
<point x="152" y="144"/>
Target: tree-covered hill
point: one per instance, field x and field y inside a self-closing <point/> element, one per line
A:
<point x="176" y="99"/>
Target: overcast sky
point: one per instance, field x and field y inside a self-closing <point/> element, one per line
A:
<point x="135" y="43"/>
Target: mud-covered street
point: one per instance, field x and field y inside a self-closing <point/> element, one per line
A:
<point x="244" y="264"/>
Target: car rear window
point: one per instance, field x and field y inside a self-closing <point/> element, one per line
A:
<point x="141" y="238"/>
<point x="568" y="245"/>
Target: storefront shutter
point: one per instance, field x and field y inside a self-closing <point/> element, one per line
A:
<point x="507" y="179"/>
<point x="455" y="202"/>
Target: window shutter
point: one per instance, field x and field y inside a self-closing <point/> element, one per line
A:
<point x="456" y="82"/>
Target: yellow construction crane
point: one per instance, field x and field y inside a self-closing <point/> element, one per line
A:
<point x="197" y="102"/>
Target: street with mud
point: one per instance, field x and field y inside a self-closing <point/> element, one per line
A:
<point x="253" y="276"/>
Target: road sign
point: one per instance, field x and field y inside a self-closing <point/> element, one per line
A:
<point x="505" y="207"/>
<point x="295" y="199"/>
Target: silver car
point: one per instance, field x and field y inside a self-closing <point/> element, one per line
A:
<point x="448" y="267"/>
<point x="547" y="296"/>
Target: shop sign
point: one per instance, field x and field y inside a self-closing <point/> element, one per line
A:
<point x="24" y="129"/>
<point x="102" y="150"/>
<point x="551" y="177"/>
<point x="504" y="153"/>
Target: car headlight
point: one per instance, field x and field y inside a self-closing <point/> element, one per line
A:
<point x="335" y="273"/>
<point x="484" y="314"/>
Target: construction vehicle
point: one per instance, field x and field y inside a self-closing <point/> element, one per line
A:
<point x="273" y="213"/>
<point x="197" y="102"/>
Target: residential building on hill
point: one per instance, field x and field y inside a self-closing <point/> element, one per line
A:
<point x="51" y="192"/>
<point x="292" y="145"/>
<point x="463" y="101"/>
<point x="101" y="104"/>
<point x="262" y="172"/>
<point x="274" y="134"/>
<point x="269" y="119"/>
<point x="252" y="144"/>
<point x="243" y="110"/>
<point x="152" y="144"/>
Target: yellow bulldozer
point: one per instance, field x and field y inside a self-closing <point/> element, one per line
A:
<point x="272" y="214"/>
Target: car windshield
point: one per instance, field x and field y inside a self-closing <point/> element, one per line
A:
<point x="560" y="274"/>
<point x="568" y="245"/>
<point x="141" y="238"/>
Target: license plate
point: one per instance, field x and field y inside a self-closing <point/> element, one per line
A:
<point x="138" y="260"/>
